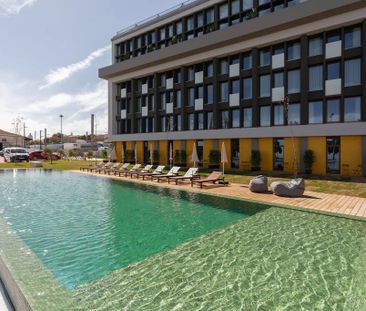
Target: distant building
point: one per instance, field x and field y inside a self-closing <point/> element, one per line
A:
<point x="8" y="139"/>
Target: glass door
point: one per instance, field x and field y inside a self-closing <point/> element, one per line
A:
<point x="235" y="153"/>
<point x="278" y="154"/>
<point x="333" y="155"/>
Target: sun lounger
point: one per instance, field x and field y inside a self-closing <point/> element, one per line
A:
<point x="259" y="184"/>
<point x="126" y="172"/>
<point x="171" y="173"/>
<point x="189" y="175"/>
<point x="114" y="166"/>
<point x="212" y="178"/>
<point x="106" y="166"/>
<point x="91" y="167"/>
<point x="157" y="171"/>
<point x="116" y="169"/>
<point x="293" y="189"/>
<point x="146" y="169"/>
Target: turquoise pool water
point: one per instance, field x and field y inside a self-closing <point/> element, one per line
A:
<point x="82" y="227"/>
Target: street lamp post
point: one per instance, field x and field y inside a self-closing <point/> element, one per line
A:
<point x="61" y="116"/>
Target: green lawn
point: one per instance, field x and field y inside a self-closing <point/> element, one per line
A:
<point x="339" y="185"/>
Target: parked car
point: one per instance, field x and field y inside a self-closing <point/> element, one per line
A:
<point x="1" y="153"/>
<point x="15" y="154"/>
<point x="39" y="155"/>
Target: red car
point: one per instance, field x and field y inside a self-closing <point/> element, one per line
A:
<point x="38" y="155"/>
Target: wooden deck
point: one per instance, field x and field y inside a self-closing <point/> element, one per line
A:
<point x="347" y="206"/>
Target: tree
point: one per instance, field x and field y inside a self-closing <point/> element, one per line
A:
<point x="48" y="154"/>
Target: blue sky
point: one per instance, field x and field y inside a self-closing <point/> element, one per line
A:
<point x="50" y="52"/>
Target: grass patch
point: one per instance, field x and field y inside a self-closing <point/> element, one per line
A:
<point x="55" y="165"/>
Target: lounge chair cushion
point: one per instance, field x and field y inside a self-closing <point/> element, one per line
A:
<point x="259" y="184"/>
<point x="294" y="188"/>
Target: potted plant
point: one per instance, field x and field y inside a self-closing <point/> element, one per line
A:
<point x="150" y="48"/>
<point x="309" y="159"/>
<point x="214" y="158"/>
<point x="256" y="160"/>
<point x="251" y="14"/>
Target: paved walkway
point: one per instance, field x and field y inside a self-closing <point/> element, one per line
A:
<point x="323" y="202"/>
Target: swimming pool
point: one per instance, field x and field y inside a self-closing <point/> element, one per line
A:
<point x="105" y="244"/>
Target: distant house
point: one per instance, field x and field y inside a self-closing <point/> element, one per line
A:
<point x="8" y="139"/>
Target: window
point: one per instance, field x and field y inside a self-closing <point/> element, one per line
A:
<point x="293" y="114"/>
<point x="209" y="70"/>
<point x="190" y="121"/>
<point x="352" y="72"/>
<point x="162" y="124"/>
<point x="333" y="71"/>
<point x="265" y="116"/>
<point x="235" y="7"/>
<point x="224" y="92"/>
<point x="352" y="38"/>
<point x="162" y="33"/>
<point x="247" y="61"/>
<point x="224" y="67"/>
<point x="190" y="96"/>
<point x="278" y="115"/>
<point x="315" y="78"/>
<point x="247" y="88"/>
<point x="178" y="76"/>
<point x="178" y="122"/>
<point x="190" y="74"/>
<point x="179" y="28"/>
<point x="333" y="110"/>
<point x="278" y="154"/>
<point x="333" y="155"/>
<point x="235" y="86"/>
<point x="315" y="112"/>
<point x="293" y="51"/>
<point x="224" y="119"/>
<point x="333" y="37"/>
<point x="200" y="20"/>
<point x="264" y="58"/>
<point x="265" y="85"/>
<point x="247" y="117"/>
<point x="278" y="79"/>
<point x="209" y="93"/>
<point x="209" y="16"/>
<point x="209" y="120"/>
<point x="162" y="80"/>
<point x="352" y="109"/>
<point x="316" y="46"/>
<point x="190" y="23"/>
<point x="200" y="92"/>
<point x="235" y="118"/>
<point x="223" y="11"/>
<point x="178" y="99"/>
<point x="247" y="4"/>
<point x="200" y="120"/>
<point x="293" y="78"/>
<point x="162" y="101"/>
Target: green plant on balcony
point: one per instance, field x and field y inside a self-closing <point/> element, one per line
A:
<point x="180" y="157"/>
<point x="251" y="14"/>
<point x="150" y="48"/>
<point x="209" y="28"/>
<point x="214" y="158"/>
<point x="255" y="160"/>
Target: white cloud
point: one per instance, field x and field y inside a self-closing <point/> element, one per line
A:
<point x="63" y="73"/>
<point x="12" y="7"/>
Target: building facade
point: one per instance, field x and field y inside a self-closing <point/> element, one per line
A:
<point x="277" y="76"/>
<point x="8" y="139"/>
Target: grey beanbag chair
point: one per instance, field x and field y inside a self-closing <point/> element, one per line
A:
<point x="294" y="188"/>
<point x="259" y="184"/>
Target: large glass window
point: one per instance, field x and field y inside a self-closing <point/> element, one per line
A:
<point x="209" y="92"/>
<point x="162" y="124"/>
<point x="264" y="58"/>
<point x="235" y="153"/>
<point x="200" y="92"/>
<point x="247" y="4"/>
<point x="223" y="11"/>
<point x="235" y="86"/>
<point x="247" y="61"/>
<point x="224" y="119"/>
<point x="224" y="92"/>
<point x="352" y="72"/>
<point x="316" y="78"/>
<point x="265" y="116"/>
<point x="247" y="88"/>
<point x="190" y="121"/>
<point x="178" y="99"/>
<point x="333" y="71"/>
<point x="265" y="86"/>
<point x="209" y="120"/>
<point x="190" y="96"/>
<point x="352" y="38"/>
<point x="200" y="120"/>
<point x="178" y="122"/>
<point x="315" y="112"/>
<point x="190" y="73"/>
<point x="247" y="117"/>
<point x="333" y="155"/>
<point x="316" y="46"/>
<point x="235" y="118"/>
<point x="278" y="115"/>
<point x="224" y="67"/>
<point x="279" y="153"/>
<point x="235" y="7"/>
<point x="209" y="70"/>
<point x="352" y="109"/>
<point x="293" y="51"/>
<point x="210" y="16"/>
<point x="190" y="23"/>
<point x="293" y="114"/>
<point x="278" y="79"/>
<point x="293" y="78"/>
<point x="333" y="106"/>
<point x="162" y="101"/>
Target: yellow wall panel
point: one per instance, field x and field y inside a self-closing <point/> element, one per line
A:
<point x="163" y="152"/>
<point x="140" y="152"/>
<point x="318" y="145"/>
<point x="189" y="149"/>
<point x="129" y="145"/>
<point x="207" y="147"/>
<point x="228" y="151"/>
<point x="292" y="154"/>
<point x="118" y="145"/>
<point x="351" y="155"/>
<point x="245" y="150"/>
<point x="265" y="146"/>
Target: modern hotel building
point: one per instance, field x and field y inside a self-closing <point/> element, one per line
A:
<point x="280" y="77"/>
